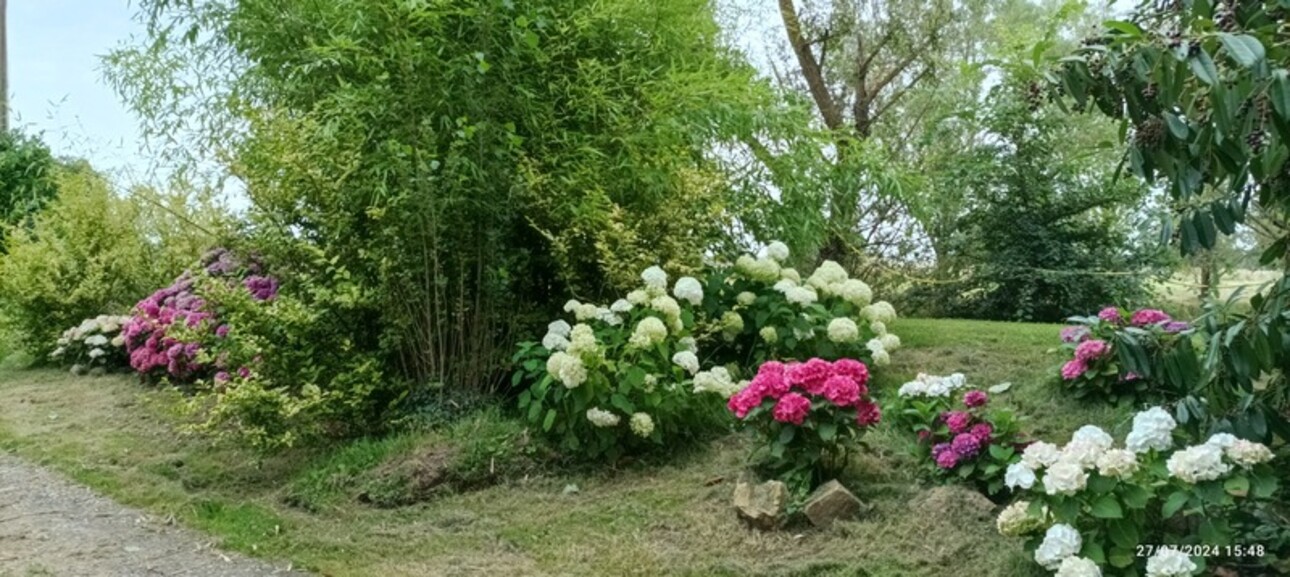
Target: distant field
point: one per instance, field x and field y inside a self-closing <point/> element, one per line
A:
<point x="1181" y="293"/>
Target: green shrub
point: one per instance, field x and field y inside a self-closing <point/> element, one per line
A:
<point x="27" y="180"/>
<point x="96" y="344"/>
<point x="1118" y="357"/>
<point x="90" y="252"/>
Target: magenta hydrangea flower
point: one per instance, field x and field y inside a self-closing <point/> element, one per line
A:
<point x="1073" y="369"/>
<point x="867" y="413"/>
<point x="852" y="368"/>
<point x="841" y="391"/>
<point x="244" y="372"/>
<point x="222" y="331"/>
<point x="945" y="456"/>
<point x="222" y="377"/>
<point x="792" y="408"/>
<point x="975" y="398"/>
<point x="957" y="421"/>
<point x="1111" y="315"/>
<point x="1174" y="327"/>
<point x="770" y="383"/>
<point x="744" y="401"/>
<point x="810" y="376"/>
<point x="262" y="288"/>
<point x="1129" y="377"/>
<point x="1146" y="317"/>
<point x="1074" y="334"/>
<point x="982" y="432"/>
<point x="966" y="445"/>
<point x="1091" y="350"/>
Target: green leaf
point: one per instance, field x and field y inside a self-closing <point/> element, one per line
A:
<point x="1121" y="557"/>
<point x="1203" y="67"/>
<point x="1176" y="126"/>
<point x="828" y="431"/>
<point x="1244" y="49"/>
<point x="1135" y="497"/>
<point x="1127" y="28"/>
<point x="786" y="435"/>
<point x="1100" y="484"/>
<point x="1280" y="93"/>
<point x="1093" y="551"/>
<point x="550" y="420"/>
<point x="1107" y="507"/>
<point x="1001" y="453"/>
<point x="1238" y="486"/>
<point x="1174" y="503"/>
<point x="1123" y="532"/>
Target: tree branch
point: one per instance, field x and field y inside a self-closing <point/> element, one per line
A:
<point x="810" y="66"/>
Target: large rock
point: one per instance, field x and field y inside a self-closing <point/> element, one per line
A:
<point x="831" y="502"/>
<point x="761" y="506"/>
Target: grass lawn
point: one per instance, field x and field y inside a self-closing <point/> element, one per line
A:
<point x="648" y="518"/>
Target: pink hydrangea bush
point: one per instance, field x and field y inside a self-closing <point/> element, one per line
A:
<point x="1113" y="355"/>
<point x="809" y="415"/>
<point x="960" y="436"/>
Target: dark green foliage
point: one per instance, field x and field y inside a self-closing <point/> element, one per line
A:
<point x="1042" y="224"/>
<point x="26" y="180"/>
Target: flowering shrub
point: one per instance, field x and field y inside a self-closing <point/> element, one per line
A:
<point x="624" y="378"/>
<point x="1118" y="356"/>
<point x="959" y="436"/>
<point x="759" y="309"/>
<point x="95" y="343"/>
<point x="808" y="414"/>
<point x="1127" y="511"/>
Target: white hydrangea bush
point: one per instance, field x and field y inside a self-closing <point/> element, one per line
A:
<point x="759" y="309"/>
<point x="1092" y="508"/>
<point x="95" y="345"/>
<point x="613" y="379"/>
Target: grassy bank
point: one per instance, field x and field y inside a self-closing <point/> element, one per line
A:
<point x="652" y="517"/>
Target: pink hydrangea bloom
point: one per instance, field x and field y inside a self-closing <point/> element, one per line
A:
<point x="222" y="331"/>
<point x="1091" y="350"/>
<point x="966" y="445"/>
<point x="841" y="391"/>
<point x="1147" y="317"/>
<point x="792" y="408"/>
<point x="770" y="384"/>
<point x="810" y="376"/>
<point x="975" y="398"/>
<point x="957" y="421"/>
<point x="1129" y="377"/>
<point x="853" y="369"/>
<point x="244" y="372"/>
<point x="744" y="401"/>
<point x="1111" y="315"/>
<point x="982" y="432"/>
<point x="1073" y="369"/>
<point x="1074" y="334"/>
<point x="944" y="456"/>
<point x="1173" y="327"/>
<point x="222" y="377"/>
<point x="867" y="413"/>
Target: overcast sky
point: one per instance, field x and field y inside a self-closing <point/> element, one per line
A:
<point x="55" y="82"/>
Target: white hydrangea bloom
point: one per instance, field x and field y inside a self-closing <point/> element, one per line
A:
<point x="567" y="369"/>
<point x="560" y="327"/>
<point x="582" y="340"/>
<point x="878" y="327"/>
<point x="746" y="298"/>
<point x="881" y="311"/>
<point x="783" y="286"/>
<point x="688" y="344"/>
<point x="642" y="424"/>
<point x="1119" y="463"/>
<point x="732" y="323"/>
<point x="621" y="306"/>
<point x="874" y="345"/>
<point x="687" y="360"/>
<point x="717" y="380"/>
<point x="801" y="295"/>
<point x="1248" y="453"/>
<point x="688" y="289"/>
<point x="96" y="341"/>
<point x="655" y="278"/>
<point x="1221" y="440"/>
<point x="1169" y="562"/>
<point x="555" y="342"/>
<point x="881" y="359"/>
<point x="790" y="274"/>
<point x="889" y="342"/>
<point x="651" y="381"/>
<point x="1061" y="541"/>
<point x="649" y="332"/>
<point x="1152" y="429"/>
<point x="843" y="330"/>
<point x="1065" y="477"/>
<point x="602" y="418"/>
<point x="1078" y="567"/>
<point x="1083" y="451"/>
<point x="826" y="274"/>
<point x="637" y="297"/>
<point x="1198" y="463"/>
<point x="118" y="341"/>
<point x="571" y="305"/>
<point x="1040" y="454"/>
<point x="96" y="353"/>
<point x="762" y="269"/>
<point x="1015" y="520"/>
<point x="854" y="291"/>
<point x="777" y="250"/>
<point x="1019" y="476"/>
<point x="666" y="305"/>
<point x="1093" y="435"/>
<point x="58" y="352"/>
<point x="768" y="334"/>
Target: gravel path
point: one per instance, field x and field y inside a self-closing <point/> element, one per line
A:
<point x="52" y="527"/>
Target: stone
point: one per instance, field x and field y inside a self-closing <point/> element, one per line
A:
<point x="762" y="506"/>
<point x="831" y="502"/>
